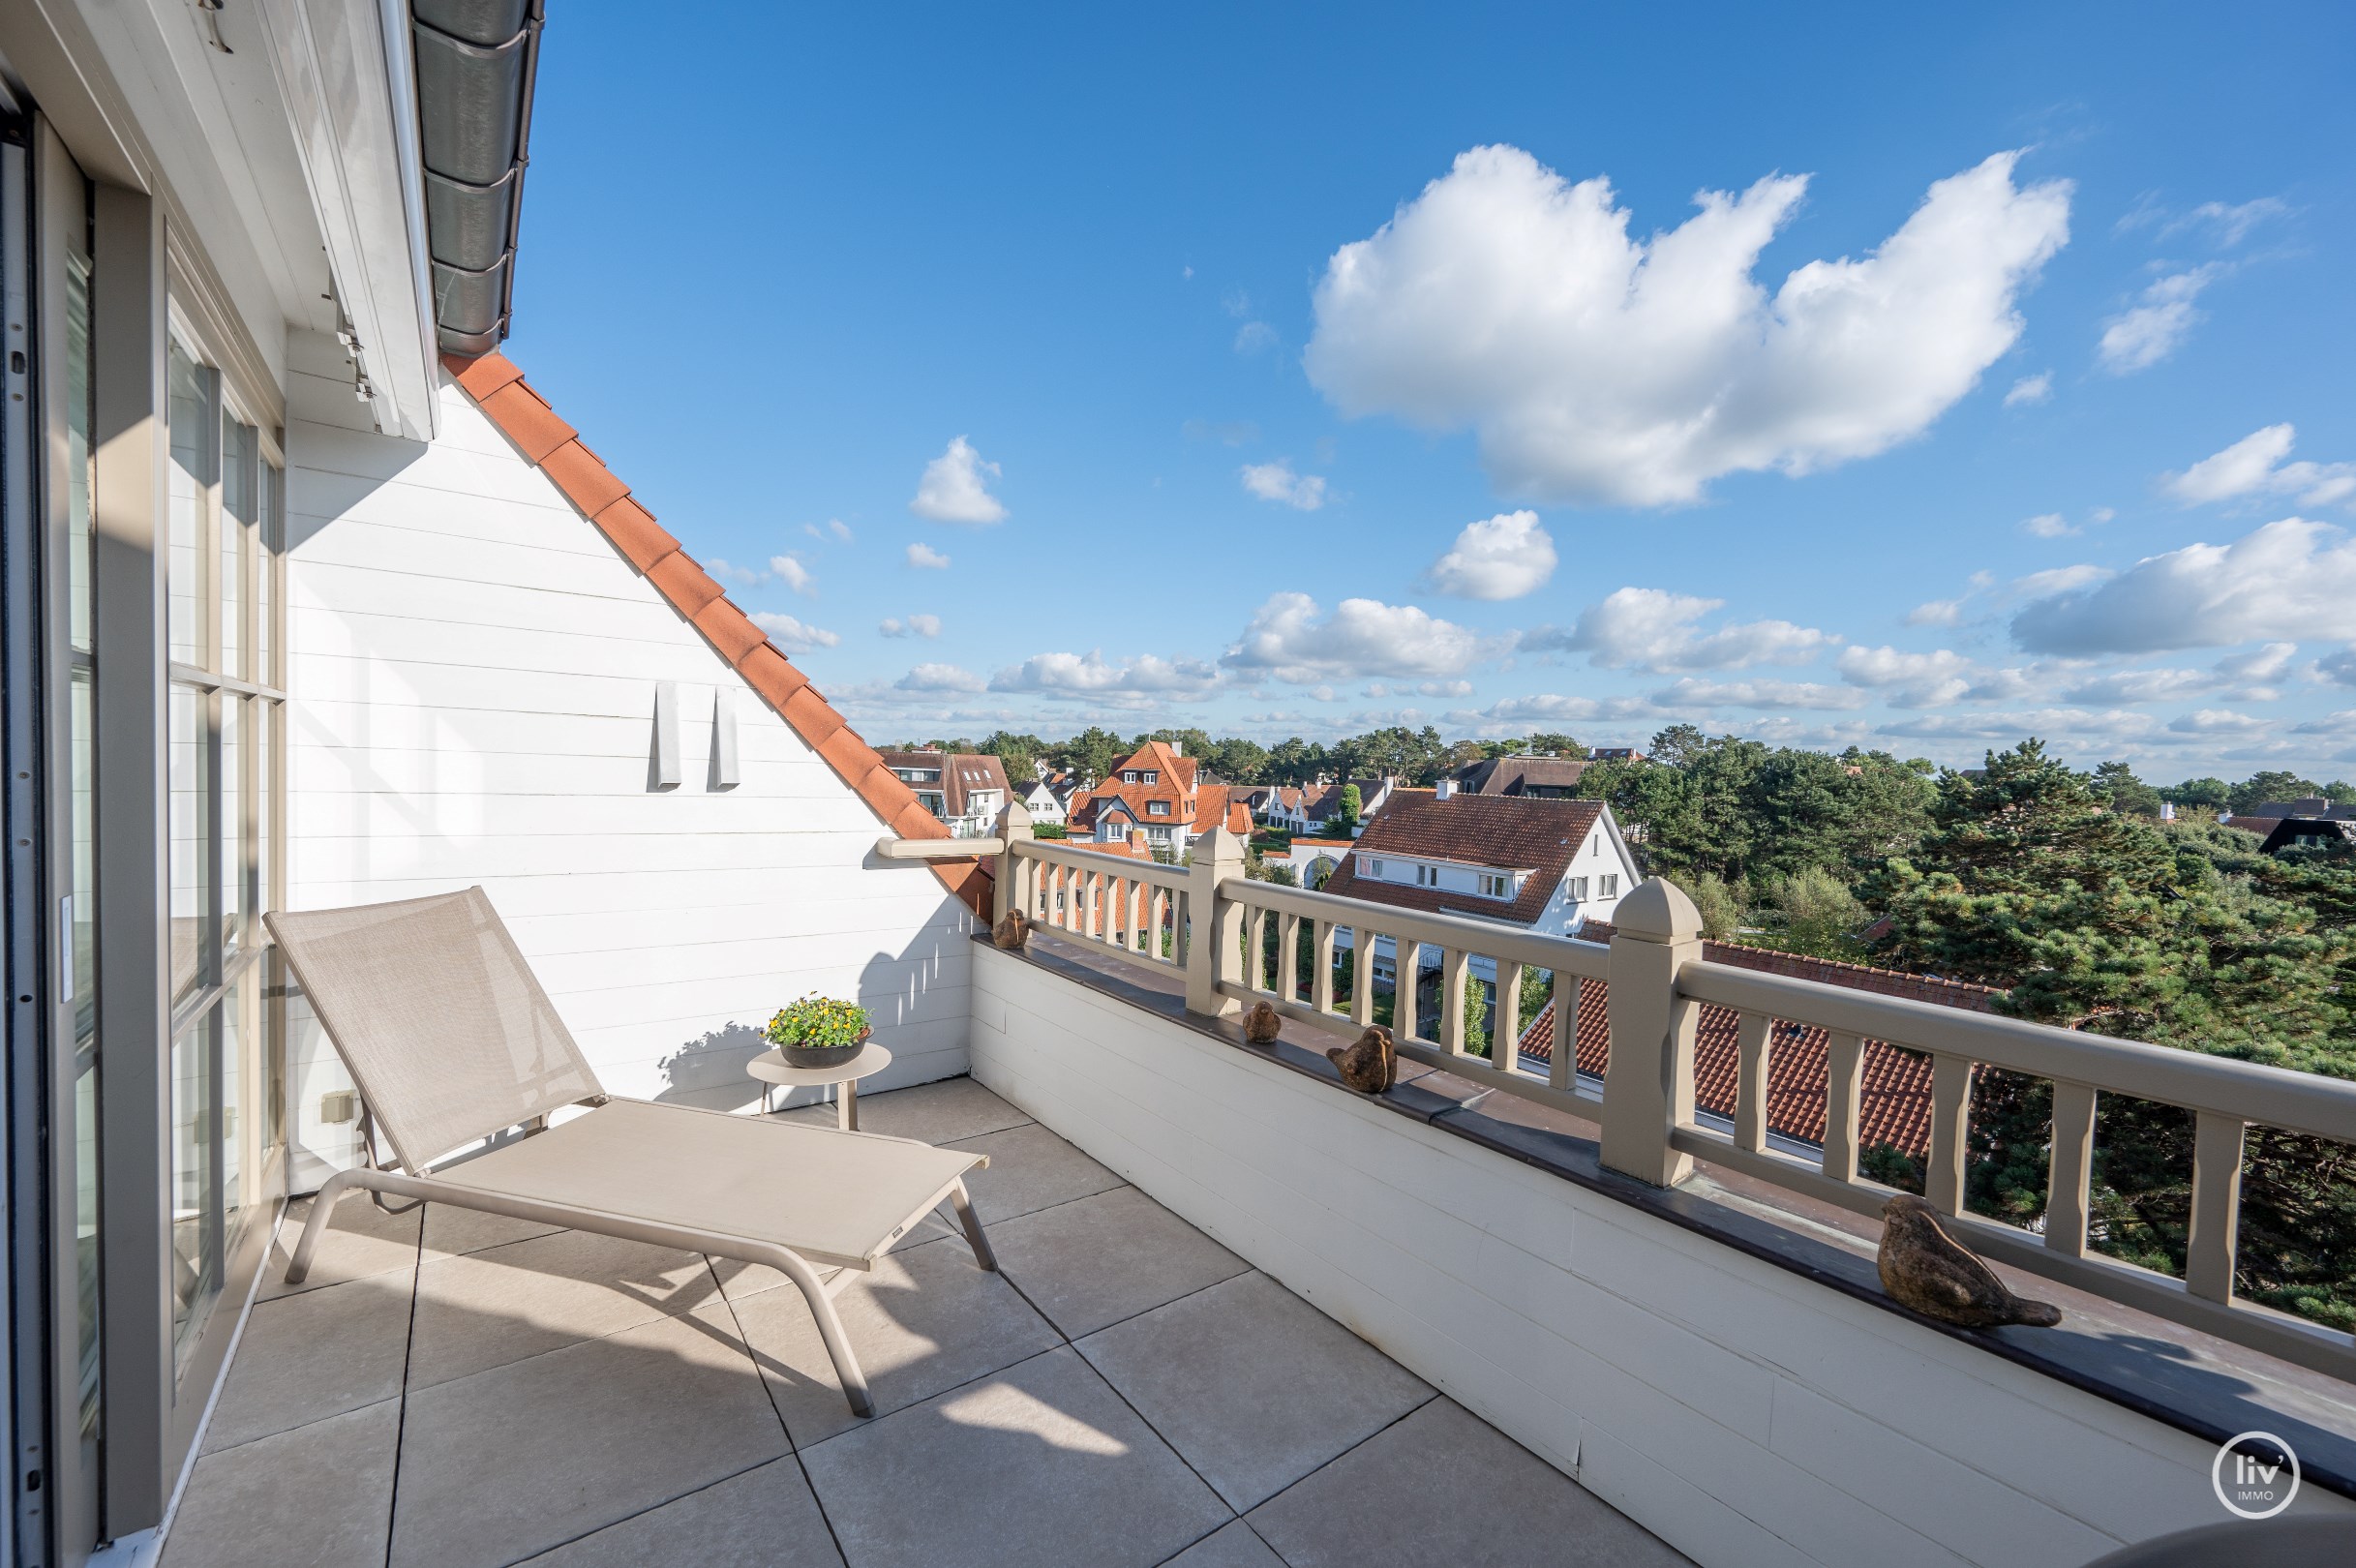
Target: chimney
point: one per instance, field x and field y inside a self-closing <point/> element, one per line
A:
<point x="2167" y="811"/>
<point x="1177" y="747"/>
<point x="1444" y="789"/>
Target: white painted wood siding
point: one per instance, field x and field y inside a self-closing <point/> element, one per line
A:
<point x="472" y="676"/>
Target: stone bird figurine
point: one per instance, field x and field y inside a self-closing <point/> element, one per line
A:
<point x="1013" y="931"/>
<point x="1926" y="1269"/>
<point x="1262" y="1023"/>
<point x="1369" y="1064"/>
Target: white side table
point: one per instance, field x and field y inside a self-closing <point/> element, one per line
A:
<point x="771" y="1068"/>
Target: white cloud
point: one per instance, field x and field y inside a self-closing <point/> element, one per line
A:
<point x="916" y="625"/>
<point x="730" y="572"/>
<point x="2254" y="465"/>
<point x="2265" y="663"/>
<point x="837" y="529"/>
<point x="1253" y="335"/>
<point x="2149" y="331"/>
<point x="1930" y="680"/>
<point x="790" y="634"/>
<point x="1935" y="613"/>
<point x="926" y="555"/>
<point x="1597" y="367"/>
<point x="955" y="487"/>
<point x="2217" y="721"/>
<point x="1277" y="482"/>
<point x="2287" y="581"/>
<point x="794" y="575"/>
<point x="2058" y="580"/>
<point x="1692" y="693"/>
<point x="1090" y="674"/>
<point x="2141" y="687"/>
<point x="1655" y="629"/>
<point x="2339" y="669"/>
<point x="2227" y="225"/>
<point x="2029" y="389"/>
<point x="1509" y="555"/>
<point x="2048" y="526"/>
<point x="1362" y="637"/>
<point x="940" y="677"/>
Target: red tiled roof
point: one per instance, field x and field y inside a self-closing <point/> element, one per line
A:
<point x="499" y="389"/>
<point x="1895" y="1102"/>
<point x="1503" y="832"/>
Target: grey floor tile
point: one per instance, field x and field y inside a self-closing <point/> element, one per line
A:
<point x="1093" y="1262"/>
<point x="312" y="1355"/>
<point x="532" y="1455"/>
<point x="921" y="1321"/>
<point x="1444" y="1486"/>
<point x="320" y="1495"/>
<point x="762" y="1518"/>
<point x="486" y="1308"/>
<point x="361" y="1240"/>
<point x="1038" y="1466"/>
<point x="450" y="1231"/>
<point x="930" y="1112"/>
<point x="1030" y="1168"/>
<point x="1234" y="1546"/>
<point x="1254" y="1386"/>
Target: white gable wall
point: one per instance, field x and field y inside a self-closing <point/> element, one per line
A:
<point x="471" y="680"/>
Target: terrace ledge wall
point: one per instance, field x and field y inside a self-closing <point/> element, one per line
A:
<point x="1744" y="1414"/>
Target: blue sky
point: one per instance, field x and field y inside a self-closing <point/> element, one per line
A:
<point x="1914" y="439"/>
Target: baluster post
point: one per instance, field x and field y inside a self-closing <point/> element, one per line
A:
<point x="1454" y="970"/>
<point x="1951" y="1121"/>
<point x="1844" y="1083"/>
<point x="2072" y="1169"/>
<point x="1648" y="1085"/>
<point x="2217" y="1202"/>
<point x="1752" y="1043"/>
<point x="1321" y="983"/>
<point x="1006" y="887"/>
<point x="1288" y="957"/>
<point x="1217" y="923"/>
<point x="1562" y="1072"/>
<point x="1508" y="1057"/>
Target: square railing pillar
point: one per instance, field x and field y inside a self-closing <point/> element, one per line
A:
<point x="1214" y="949"/>
<point x="1648" y="1086"/>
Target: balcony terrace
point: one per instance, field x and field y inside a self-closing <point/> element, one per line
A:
<point x="453" y="1389"/>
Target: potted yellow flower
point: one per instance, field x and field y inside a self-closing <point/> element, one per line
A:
<point x="819" y="1032"/>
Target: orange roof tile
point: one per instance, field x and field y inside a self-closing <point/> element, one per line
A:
<point x="1894" y="1103"/>
<point x="556" y="448"/>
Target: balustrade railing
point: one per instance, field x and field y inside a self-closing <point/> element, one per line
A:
<point x="1209" y="924"/>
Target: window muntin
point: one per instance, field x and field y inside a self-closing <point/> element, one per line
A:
<point x="1575" y="887"/>
<point x="1496" y="887"/>
<point x="1606" y="887"/>
<point x="1156" y="808"/>
<point x="1373" y="868"/>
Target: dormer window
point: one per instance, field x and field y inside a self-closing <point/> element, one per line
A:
<point x="1129" y="775"/>
<point x="1496" y="886"/>
<point x="1151" y="775"/>
<point x="1156" y="808"/>
<point x="1427" y="876"/>
<point x="1373" y="868"/>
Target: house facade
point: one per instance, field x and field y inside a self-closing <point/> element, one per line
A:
<point x="1545" y="865"/>
<point x="1540" y="779"/>
<point x="1157" y="789"/>
<point x="966" y="790"/>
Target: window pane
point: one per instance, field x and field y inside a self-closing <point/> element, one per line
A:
<point x="193" y="438"/>
<point x="238" y="449"/>
<point x="237" y="1015"/>
<point x="192" y="895"/>
<point x="230" y="846"/>
<point x="78" y="451"/>
<point x="265" y="795"/>
<point x="196" y="1225"/>
<point x="83" y="936"/>
<point x="265" y="579"/>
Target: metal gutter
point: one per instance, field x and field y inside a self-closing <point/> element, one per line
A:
<point x="477" y="64"/>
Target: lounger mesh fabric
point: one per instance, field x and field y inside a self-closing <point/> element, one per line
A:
<point x="476" y="1048"/>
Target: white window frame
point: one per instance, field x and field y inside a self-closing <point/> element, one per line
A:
<point x="1607" y="885"/>
<point x="1574" y="889"/>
